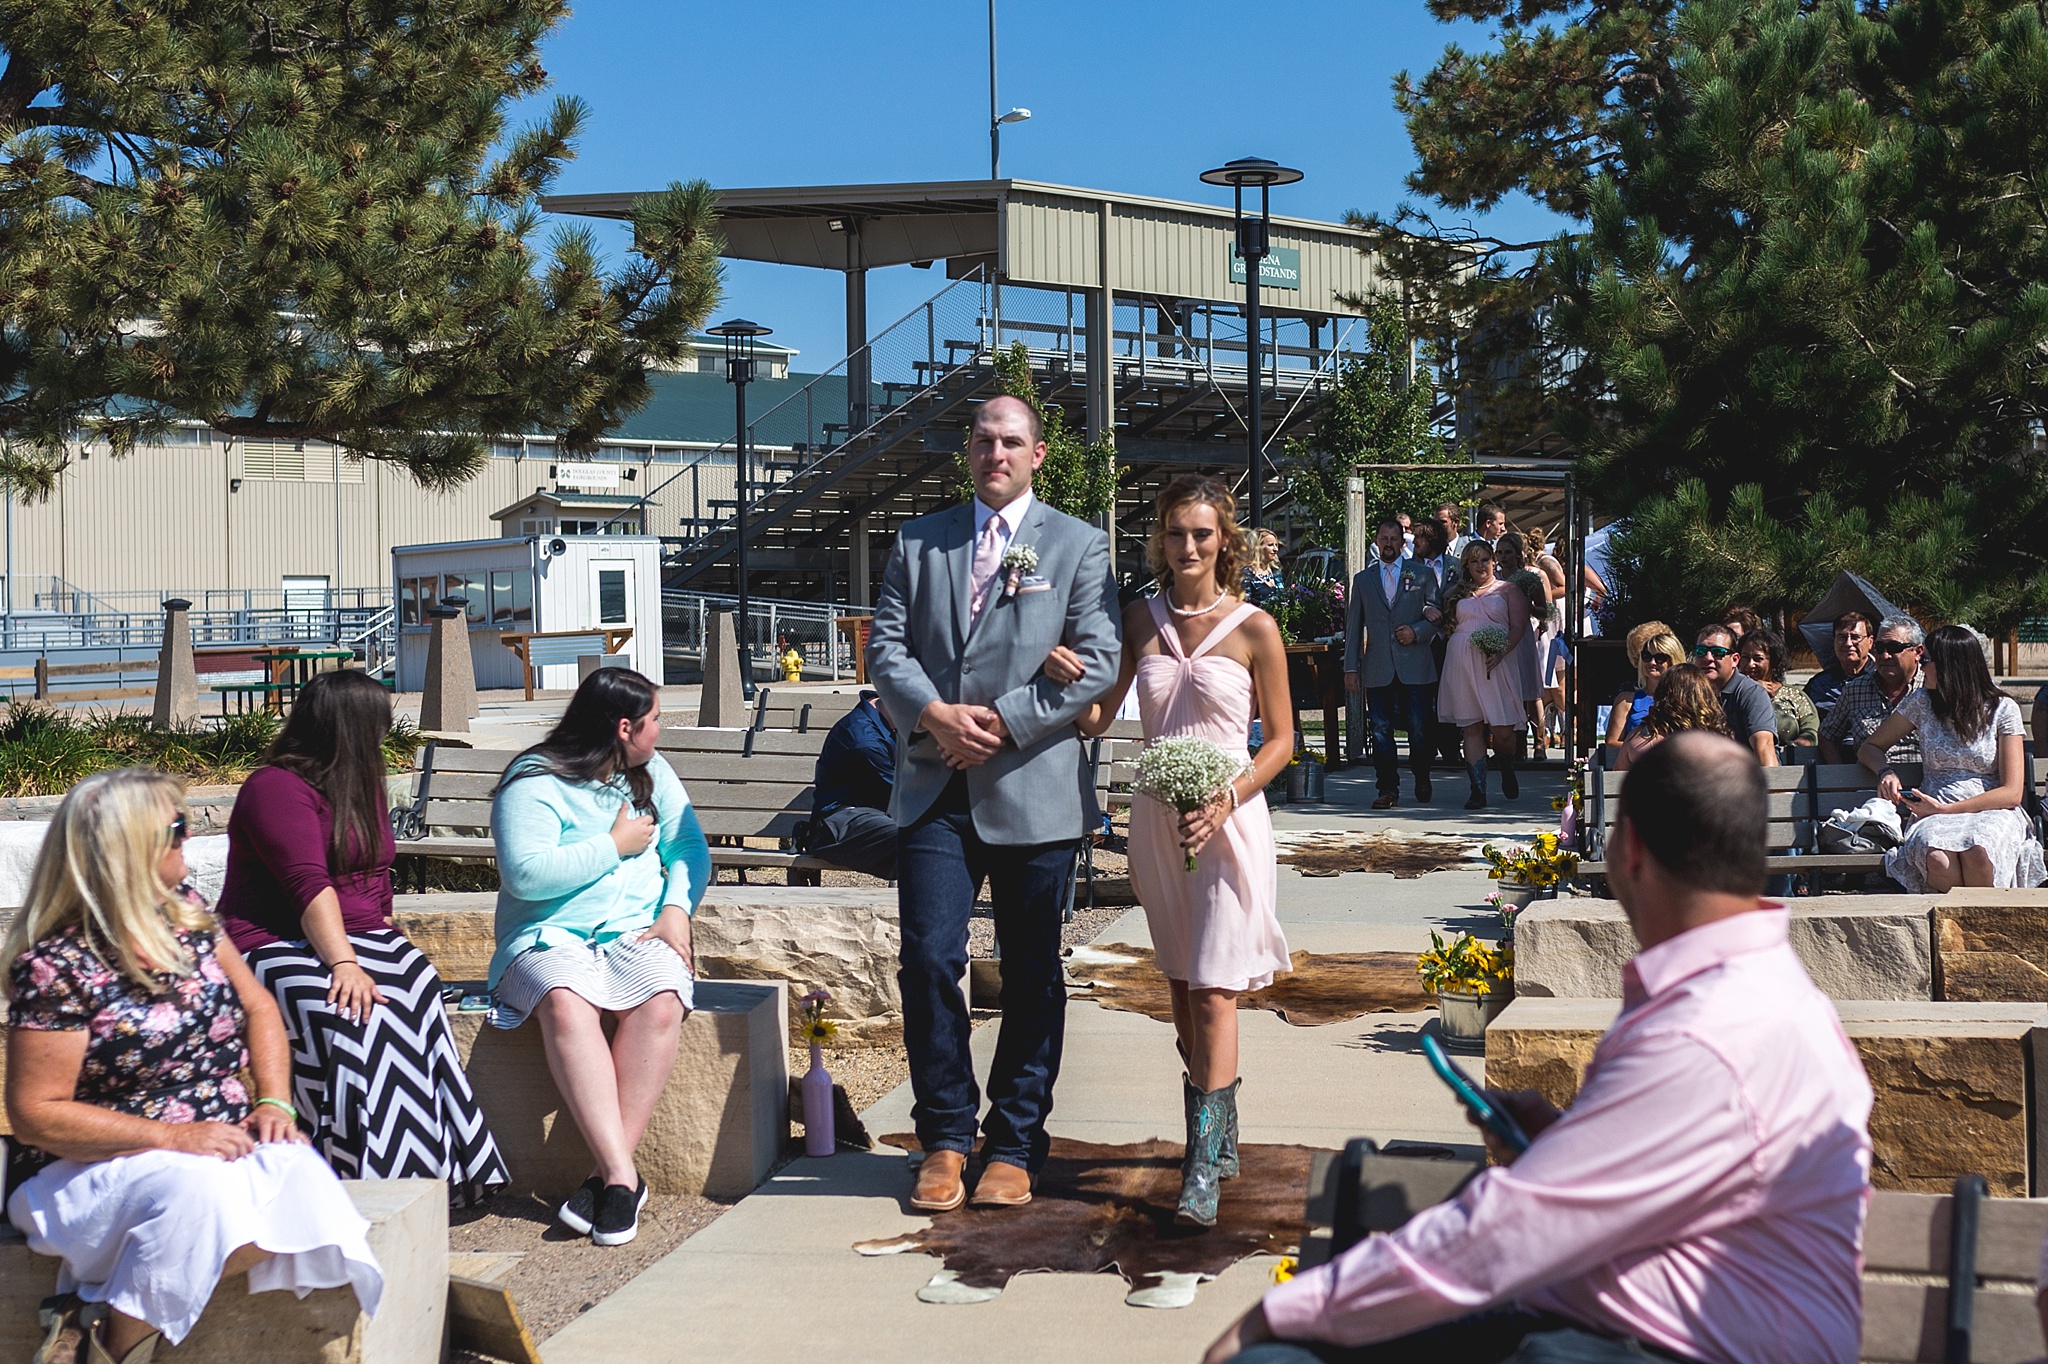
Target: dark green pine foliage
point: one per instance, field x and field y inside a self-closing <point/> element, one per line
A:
<point x="306" y="219"/>
<point x="1803" y="328"/>
<point x="1821" y="298"/>
<point x="1373" y="414"/>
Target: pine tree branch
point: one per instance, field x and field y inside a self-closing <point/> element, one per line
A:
<point x="20" y="84"/>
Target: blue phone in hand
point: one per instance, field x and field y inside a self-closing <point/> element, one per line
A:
<point x="1484" y="1111"/>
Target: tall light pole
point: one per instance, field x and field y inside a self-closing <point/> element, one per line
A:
<point x="996" y="121"/>
<point x="1253" y="242"/>
<point x="739" y="336"/>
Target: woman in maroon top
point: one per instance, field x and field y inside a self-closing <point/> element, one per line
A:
<point x="307" y="898"/>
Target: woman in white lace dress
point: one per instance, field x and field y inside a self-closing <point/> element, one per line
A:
<point x="1968" y="828"/>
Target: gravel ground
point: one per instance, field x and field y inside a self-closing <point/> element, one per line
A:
<point x="562" y="1276"/>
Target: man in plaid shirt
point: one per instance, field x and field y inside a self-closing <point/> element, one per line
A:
<point x="1869" y="698"/>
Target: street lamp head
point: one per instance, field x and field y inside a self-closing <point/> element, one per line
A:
<point x="1251" y="172"/>
<point x="1015" y="116"/>
<point x="739" y="336"/>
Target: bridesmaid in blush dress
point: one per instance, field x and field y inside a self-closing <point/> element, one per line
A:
<point x="1206" y="663"/>
<point x="1475" y="695"/>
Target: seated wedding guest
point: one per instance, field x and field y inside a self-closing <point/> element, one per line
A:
<point x="1685" y="700"/>
<point x="1965" y="830"/>
<point x="1703" y="1197"/>
<point x="1751" y="718"/>
<point x="850" y="825"/>
<point x="134" y="1029"/>
<point x="1763" y="661"/>
<point x="376" y="1078"/>
<point x="1653" y="650"/>
<point x="601" y="863"/>
<point x="1853" y="634"/>
<point x="1868" y="699"/>
<point x="1741" y="622"/>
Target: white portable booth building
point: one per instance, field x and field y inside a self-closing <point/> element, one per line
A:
<point x="530" y="584"/>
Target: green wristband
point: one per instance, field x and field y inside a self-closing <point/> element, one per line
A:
<point x="290" y="1112"/>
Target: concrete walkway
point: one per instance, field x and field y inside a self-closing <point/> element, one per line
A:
<point x="776" y="1279"/>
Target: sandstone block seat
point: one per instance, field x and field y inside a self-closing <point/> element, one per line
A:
<point x="1854" y="946"/>
<point x="1954" y="1083"/>
<point x="409" y="1233"/>
<point x="722" y="1118"/>
<point x="842" y="938"/>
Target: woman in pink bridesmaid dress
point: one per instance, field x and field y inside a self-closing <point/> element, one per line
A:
<point x="1205" y="664"/>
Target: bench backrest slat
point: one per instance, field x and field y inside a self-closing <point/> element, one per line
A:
<point x="802" y="711"/>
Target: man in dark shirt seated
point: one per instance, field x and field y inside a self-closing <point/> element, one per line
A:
<point x="850" y="825"/>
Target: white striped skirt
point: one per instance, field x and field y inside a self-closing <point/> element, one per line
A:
<point x="620" y="974"/>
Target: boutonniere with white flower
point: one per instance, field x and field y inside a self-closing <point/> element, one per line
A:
<point x="1407" y="582"/>
<point x="1017" y="561"/>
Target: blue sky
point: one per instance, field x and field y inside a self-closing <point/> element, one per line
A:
<point x="1132" y="95"/>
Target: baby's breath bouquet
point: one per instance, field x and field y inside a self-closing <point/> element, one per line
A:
<point x="1186" y="773"/>
<point x="1492" y="641"/>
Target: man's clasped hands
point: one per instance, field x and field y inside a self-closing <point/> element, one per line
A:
<point x="967" y="735"/>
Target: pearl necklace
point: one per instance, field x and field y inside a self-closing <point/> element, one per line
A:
<point x="1221" y="597"/>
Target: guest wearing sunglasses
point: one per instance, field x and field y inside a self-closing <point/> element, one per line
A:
<point x="1751" y="717"/>
<point x="1868" y="699"/>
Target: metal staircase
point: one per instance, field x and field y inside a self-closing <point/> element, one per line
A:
<point x="798" y="505"/>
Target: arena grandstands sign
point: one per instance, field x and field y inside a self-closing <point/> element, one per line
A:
<point x="1281" y="269"/>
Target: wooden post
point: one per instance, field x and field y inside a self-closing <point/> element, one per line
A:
<point x="43" y="678"/>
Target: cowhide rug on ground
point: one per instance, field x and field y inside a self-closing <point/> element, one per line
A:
<point x="1326" y="853"/>
<point x="1322" y="987"/>
<point x="1102" y="1209"/>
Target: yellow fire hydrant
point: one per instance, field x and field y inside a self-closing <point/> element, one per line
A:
<point x="792" y="666"/>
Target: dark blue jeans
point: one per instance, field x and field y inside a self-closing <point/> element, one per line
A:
<point x="1408" y="707"/>
<point x="940" y="863"/>
<point x="1485" y="1338"/>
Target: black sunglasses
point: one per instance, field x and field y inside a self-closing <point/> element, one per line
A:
<point x="1889" y="647"/>
<point x="1711" y="651"/>
<point x="179" y="828"/>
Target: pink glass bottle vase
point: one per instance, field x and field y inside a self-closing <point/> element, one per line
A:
<point x="819" y="1138"/>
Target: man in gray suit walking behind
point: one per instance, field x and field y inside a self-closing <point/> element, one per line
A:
<point x="990" y="783"/>
<point x="1388" y="627"/>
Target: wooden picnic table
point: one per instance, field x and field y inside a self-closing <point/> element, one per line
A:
<point x="1315" y="677"/>
<point x="289" y="669"/>
<point x="548" y="648"/>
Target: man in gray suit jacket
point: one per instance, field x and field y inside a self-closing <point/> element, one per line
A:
<point x="990" y="783"/>
<point x="1387" y="633"/>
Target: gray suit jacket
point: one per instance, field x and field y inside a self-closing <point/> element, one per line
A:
<point x="920" y="650"/>
<point x="1370" y="649"/>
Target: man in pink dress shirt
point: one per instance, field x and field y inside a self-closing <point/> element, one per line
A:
<point x="1703" y="1197"/>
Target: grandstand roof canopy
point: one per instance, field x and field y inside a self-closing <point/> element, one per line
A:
<point x="1035" y="233"/>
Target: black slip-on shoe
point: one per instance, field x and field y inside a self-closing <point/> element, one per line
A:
<point x="581" y="1207"/>
<point x="618" y="1214"/>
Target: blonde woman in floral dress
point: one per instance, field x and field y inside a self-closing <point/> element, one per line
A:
<point x="1205" y="664"/>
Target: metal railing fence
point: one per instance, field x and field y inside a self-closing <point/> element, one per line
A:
<point x="812" y="627"/>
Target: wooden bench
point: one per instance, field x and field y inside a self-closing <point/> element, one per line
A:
<point x="802" y="711"/>
<point x="743" y="784"/>
<point x="270" y="695"/>
<point x="1802" y="796"/>
<point x="1915" y="1248"/>
<point x="555" y="647"/>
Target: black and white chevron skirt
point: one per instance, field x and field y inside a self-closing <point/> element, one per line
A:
<point x="385" y="1098"/>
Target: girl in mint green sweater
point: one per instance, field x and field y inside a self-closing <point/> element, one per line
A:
<point x="601" y="862"/>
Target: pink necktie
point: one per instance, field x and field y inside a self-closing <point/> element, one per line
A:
<point x="988" y="559"/>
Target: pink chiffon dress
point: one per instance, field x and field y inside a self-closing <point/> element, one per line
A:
<point x="1467" y="695"/>
<point x="1214" y="927"/>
